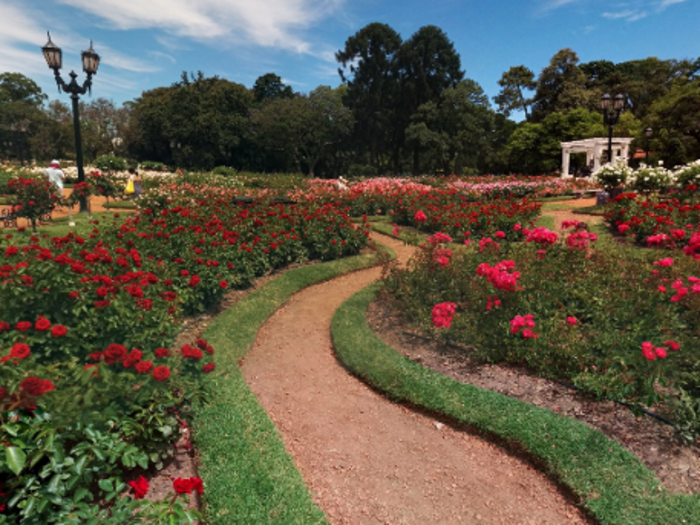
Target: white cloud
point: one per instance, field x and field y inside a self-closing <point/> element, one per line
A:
<point x="19" y="32"/>
<point x="24" y="32"/>
<point x="550" y="5"/>
<point x="631" y="15"/>
<point x="159" y="54"/>
<point x="269" y="23"/>
<point x="666" y="3"/>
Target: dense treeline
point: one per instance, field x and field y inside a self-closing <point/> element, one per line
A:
<point x="405" y="106"/>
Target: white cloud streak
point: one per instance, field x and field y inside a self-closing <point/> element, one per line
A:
<point x="667" y="3"/>
<point x="268" y="23"/>
<point x="630" y="15"/>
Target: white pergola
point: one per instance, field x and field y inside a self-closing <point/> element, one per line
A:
<point x="593" y="148"/>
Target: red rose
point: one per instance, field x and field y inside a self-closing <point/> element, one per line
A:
<point x="201" y="343"/>
<point x="11" y="250"/>
<point x="19" y="351"/>
<point x="191" y="352"/>
<point x="143" y="367"/>
<point x="23" y="326"/>
<point x="223" y="285"/>
<point x="33" y="386"/>
<point x="59" y="330"/>
<point x="114" y="353"/>
<point x="195" y="280"/>
<point x="208" y="368"/>
<point x="4" y="326"/>
<point x="185" y="486"/>
<point x="161" y="373"/>
<point x="140" y="487"/>
<point x="197" y="485"/>
<point x="134" y="357"/>
<point x="162" y="352"/>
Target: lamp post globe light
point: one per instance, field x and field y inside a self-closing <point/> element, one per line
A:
<point x="611" y="114"/>
<point x="647" y="133"/>
<point x="91" y="61"/>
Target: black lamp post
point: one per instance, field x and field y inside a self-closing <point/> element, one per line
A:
<point x="91" y="61"/>
<point x="648" y="133"/>
<point x="611" y="114"/>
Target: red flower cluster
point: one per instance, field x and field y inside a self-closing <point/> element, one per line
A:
<point x="498" y="275"/>
<point x="187" y="485"/>
<point x="524" y="323"/>
<point x="442" y="314"/>
<point x="580" y="240"/>
<point x="35" y="387"/>
<point x="420" y="217"/>
<point x="542" y="236"/>
<point x="442" y="257"/>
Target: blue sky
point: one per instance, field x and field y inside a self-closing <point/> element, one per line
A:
<point x="148" y="43"/>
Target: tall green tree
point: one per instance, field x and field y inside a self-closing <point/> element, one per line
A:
<point x="561" y="87"/>
<point x="428" y="65"/>
<point x="512" y="97"/>
<point x="306" y="128"/>
<point x="21" y="100"/>
<point x="269" y="87"/>
<point x="454" y="133"/>
<point x="534" y="147"/>
<point x="368" y="68"/>
<point x="199" y="122"/>
<point x="675" y="119"/>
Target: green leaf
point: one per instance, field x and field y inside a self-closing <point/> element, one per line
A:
<point x="15" y="459"/>
<point x="11" y="428"/>
<point x="79" y="466"/>
<point x="55" y="484"/>
<point x="80" y="494"/>
<point x="106" y="485"/>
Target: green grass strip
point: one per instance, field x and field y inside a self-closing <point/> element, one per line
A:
<point x="611" y="484"/>
<point x="248" y="474"/>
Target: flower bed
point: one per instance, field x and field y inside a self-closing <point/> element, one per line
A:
<point x="91" y="387"/>
<point x="617" y="327"/>
<point x="669" y="223"/>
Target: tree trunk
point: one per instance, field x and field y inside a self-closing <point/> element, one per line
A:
<point x="416" y="160"/>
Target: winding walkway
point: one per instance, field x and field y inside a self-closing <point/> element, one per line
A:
<point x="367" y="460"/>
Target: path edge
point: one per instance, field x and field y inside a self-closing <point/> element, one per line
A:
<point x="608" y="482"/>
<point x="249" y="475"/>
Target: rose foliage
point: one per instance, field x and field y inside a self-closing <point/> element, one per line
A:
<point x="92" y="386"/>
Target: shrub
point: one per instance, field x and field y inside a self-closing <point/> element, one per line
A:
<point x="649" y="178"/>
<point x="688" y="175"/>
<point x="606" y="323"/>
<point x="32" y="198"/>
<point x="110" y="163"/>
<point x="612" y="175"/>
<point x="152" y="165"/>
<point x="362" y="170"/>
<point x="224" y="170"/>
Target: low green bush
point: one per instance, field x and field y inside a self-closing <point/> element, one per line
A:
<point x="110" y="163"/>
<point x="225" y="171"/>
<point x="152" y="165"/>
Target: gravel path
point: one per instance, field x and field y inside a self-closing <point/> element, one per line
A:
<point x="370" y="461"/>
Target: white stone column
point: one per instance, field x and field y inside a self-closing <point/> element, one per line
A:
<point x="596" y="157"/>
<point x="565" y="157"/>
<point x="626" y="152"/>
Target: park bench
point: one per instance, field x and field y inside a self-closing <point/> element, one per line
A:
<point x="582" y="193"/>
<point x="9" y="219"/>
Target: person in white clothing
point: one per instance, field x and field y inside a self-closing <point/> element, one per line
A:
<point x="54" y="174"/>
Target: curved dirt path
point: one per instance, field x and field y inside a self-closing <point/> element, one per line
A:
<point x="367" y="460"/>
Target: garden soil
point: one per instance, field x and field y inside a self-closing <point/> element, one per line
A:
<point x="367" y="460"/>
